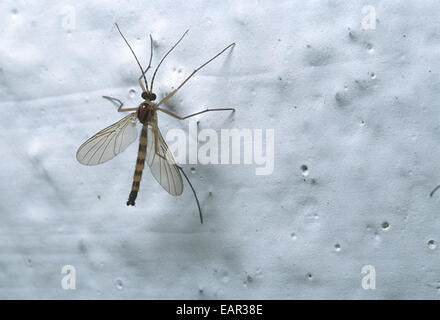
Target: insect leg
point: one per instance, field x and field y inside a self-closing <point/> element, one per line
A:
<point x="193" y="114"/>
<point x="189" y="77"/>
<point x="433" y="191"/>
<point x="194" y="192"/>
<point x="120" y="104"/>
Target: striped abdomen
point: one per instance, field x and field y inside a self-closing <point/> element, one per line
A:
<point x="140" y="162"/>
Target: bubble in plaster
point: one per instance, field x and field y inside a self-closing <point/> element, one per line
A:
<point x="432" y="244"/>
<point x="119" y="284"/>
<point x="373" y="75"/>
<point x="82" y="246"/>
<point x="385" y="225"/>
<point x="14" y="12"/>
<point x="293" y="236"/>
<point x="225" y="279"/>
<point x="258" y="273"/>
<point x="193" y="170"/>
<point x="309" y="275"/>
<point x="29" y="262"/>
<point x="132" y="94"/>
<point x="351" y="35"/>
<point x="342" y="99"/>
<point x="337" y="247"/>
<point x="34" y="148"/>
<point x="304" y="170"/>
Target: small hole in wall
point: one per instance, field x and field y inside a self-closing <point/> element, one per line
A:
<point x="119" y="284"/>
<point x="432" y="244"/>
<point x="385" y="225"/>
<point x="132" y="94"/>
<point x="304" y="170"/>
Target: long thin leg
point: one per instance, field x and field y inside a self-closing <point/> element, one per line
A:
<point x="194" y="192"/>
<point x="189" y="182"/>
<point x="157" y="68"/>
<point x="433" y="191"/>
<point x="194" y="114"/>
<point x="180" y="86"/>
<point x="120" y="104"/>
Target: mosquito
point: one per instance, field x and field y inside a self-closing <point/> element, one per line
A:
<point x="111" y="141"/>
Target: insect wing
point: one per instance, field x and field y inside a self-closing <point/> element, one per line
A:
<point x="109" y="142"/>
<point x="162" y="164"/>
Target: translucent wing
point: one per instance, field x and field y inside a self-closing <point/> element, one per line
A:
<point x="162" y="164"/>
<point x="107" y="143"/>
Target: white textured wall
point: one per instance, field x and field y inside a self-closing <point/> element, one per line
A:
<point x="358" y="107"/>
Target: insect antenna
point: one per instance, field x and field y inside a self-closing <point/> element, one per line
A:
<point x="194" y="191"/>
<point x="155" y="71"/>
<point x="148" y="68"/>
<point x="139" y="64"/>
<point x="151" y="54"/>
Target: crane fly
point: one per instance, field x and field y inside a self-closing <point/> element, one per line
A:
<point x="111" y="141"/>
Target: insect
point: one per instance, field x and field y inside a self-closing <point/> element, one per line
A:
<point x="111" y="141"/>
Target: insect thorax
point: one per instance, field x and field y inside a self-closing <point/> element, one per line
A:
<point x="145" y="113"/>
